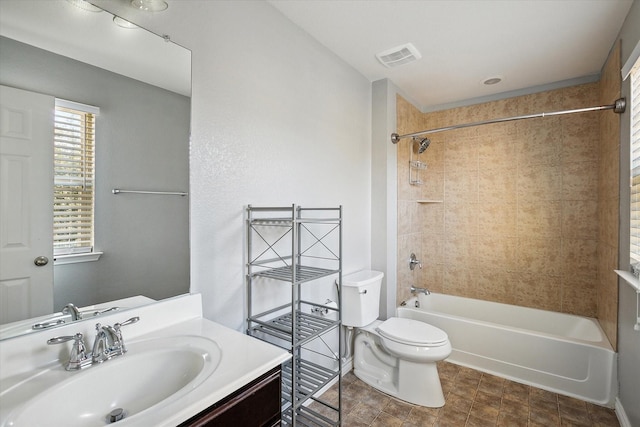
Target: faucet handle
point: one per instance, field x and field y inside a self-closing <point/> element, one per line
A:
<point x="78" y="358"/>
<point x="117" y="327"/>
<point x="60" y="340"/>
<point x="413" y="261"/>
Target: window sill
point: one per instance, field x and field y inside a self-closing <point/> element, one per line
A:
<point x="630" y="279"/>
<point x="75" y="258"/>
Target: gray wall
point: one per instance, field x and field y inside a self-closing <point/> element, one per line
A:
<point x="142" y="142"/>
<point x="628" y="339"/>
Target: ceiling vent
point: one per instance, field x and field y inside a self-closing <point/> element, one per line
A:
<point x="399" y="55"/>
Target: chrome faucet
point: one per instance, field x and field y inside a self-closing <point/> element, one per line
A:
<point x="415" y="290"/>
<point x="73" y="311"/>
<point x="107" y="344"/>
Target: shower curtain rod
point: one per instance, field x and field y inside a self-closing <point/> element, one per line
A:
<point x="619" y="107"/>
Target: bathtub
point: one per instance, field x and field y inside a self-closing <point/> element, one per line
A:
<point x="566" y="354"/>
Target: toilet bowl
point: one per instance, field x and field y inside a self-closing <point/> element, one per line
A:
<point x="396" y="356"/>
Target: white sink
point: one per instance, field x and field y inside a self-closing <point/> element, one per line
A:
<point x="151" y="372"/>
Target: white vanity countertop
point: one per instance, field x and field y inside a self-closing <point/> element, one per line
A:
<point x="243" y="358"/>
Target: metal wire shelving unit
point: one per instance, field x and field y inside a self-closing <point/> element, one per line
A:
<point x="299" y="247"/>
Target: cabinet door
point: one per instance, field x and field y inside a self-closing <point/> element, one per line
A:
<point x="255" y="405"/>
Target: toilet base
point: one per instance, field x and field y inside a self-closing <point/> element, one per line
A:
<point x="425" y="390"/>
<point x="420" y="384"/>
<point x="416" y="383"/>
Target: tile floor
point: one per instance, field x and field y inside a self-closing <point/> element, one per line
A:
<point x="472" y="399"/>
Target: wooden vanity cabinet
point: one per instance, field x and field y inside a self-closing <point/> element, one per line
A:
<point x="255" y="405"/>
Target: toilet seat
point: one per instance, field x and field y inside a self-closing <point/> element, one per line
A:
<point x="412" y="332"/>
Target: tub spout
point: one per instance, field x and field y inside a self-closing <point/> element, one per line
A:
<point x="415" y="290"/>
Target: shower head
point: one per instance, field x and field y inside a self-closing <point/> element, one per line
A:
<point x="423" y="144"/>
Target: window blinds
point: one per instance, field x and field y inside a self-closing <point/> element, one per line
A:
<point x="635" y="162"/>
<point x="74" y="169"/>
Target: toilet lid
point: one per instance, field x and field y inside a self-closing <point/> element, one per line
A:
<point x="411" y="331"/>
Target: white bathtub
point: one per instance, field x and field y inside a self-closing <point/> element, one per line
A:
<point x="558" y="352"/>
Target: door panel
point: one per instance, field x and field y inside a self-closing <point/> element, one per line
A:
<point x="26" y="197"/>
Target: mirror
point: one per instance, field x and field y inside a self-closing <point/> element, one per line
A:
<point x="142" y="84"/>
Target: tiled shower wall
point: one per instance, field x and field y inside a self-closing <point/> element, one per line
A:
<point x="609" y="199"/>
<point x="507" y="212"/>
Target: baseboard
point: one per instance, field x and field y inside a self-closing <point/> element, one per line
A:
<point x="347" y="365"/>
<point x="621" y="414"/>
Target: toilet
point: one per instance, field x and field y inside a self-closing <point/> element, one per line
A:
<point x="397" y="356"/>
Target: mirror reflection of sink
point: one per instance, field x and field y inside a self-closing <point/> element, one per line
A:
<point x="152" y="371"/>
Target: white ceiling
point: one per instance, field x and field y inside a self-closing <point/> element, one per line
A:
<point x="530" y="44"/>
<point x="91" y="37"/>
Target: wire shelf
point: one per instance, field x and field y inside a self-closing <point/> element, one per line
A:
<point x="311" y="378"/>
<point x="303" y="273"/>
<point x="308" y="326"/>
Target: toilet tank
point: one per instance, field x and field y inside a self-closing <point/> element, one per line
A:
<point x="361" y="297"/>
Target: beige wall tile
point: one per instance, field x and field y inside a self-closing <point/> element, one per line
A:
<point x="461" y="219"/>
<point x="460" y="281"/>
<point x="538" y="291"/>
<point x="580" y="137"/>
<point x="432" y="250"/>
<point x="497" y="152"/>
<point x="608" y="170"/>
<point x="580" y="219"/>
<point x="579" y="295"/>
<point x="495" y="284"/>
<point x="433" y="278"/>
<point x="494" y="254"/>
<point x="460" y="251"/>
<point x="404" y="216"/>
<point x="497" y="186"/>
<point x="431" y="218"/>
<point x="539" y="218"/>
<point x="539" y="182"/>
<point x="543" y="102"/>
<point x="580" y="96"/>
<point x="460" y="153"/>
<point x="579" y="257"/>
<point x="580" y="181"/>
<point x="539" y="256"/>
<point x="497" y="219"/>
<point x="609" y="219"/>
<point x="539" y="141"/>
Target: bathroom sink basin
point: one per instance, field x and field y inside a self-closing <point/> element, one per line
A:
<point x="151" y="372"/>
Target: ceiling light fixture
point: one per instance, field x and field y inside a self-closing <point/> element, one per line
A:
<point x="85" y="5"/>
<point x="120" y="22"/>
<point x="492" y="81"/>
<point x="150" y="5"/>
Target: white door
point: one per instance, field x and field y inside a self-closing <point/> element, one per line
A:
<point x="26" y="197"/>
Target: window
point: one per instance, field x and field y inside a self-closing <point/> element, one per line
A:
<point x="635" y="162"/>
<point x="74" y="173"/>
